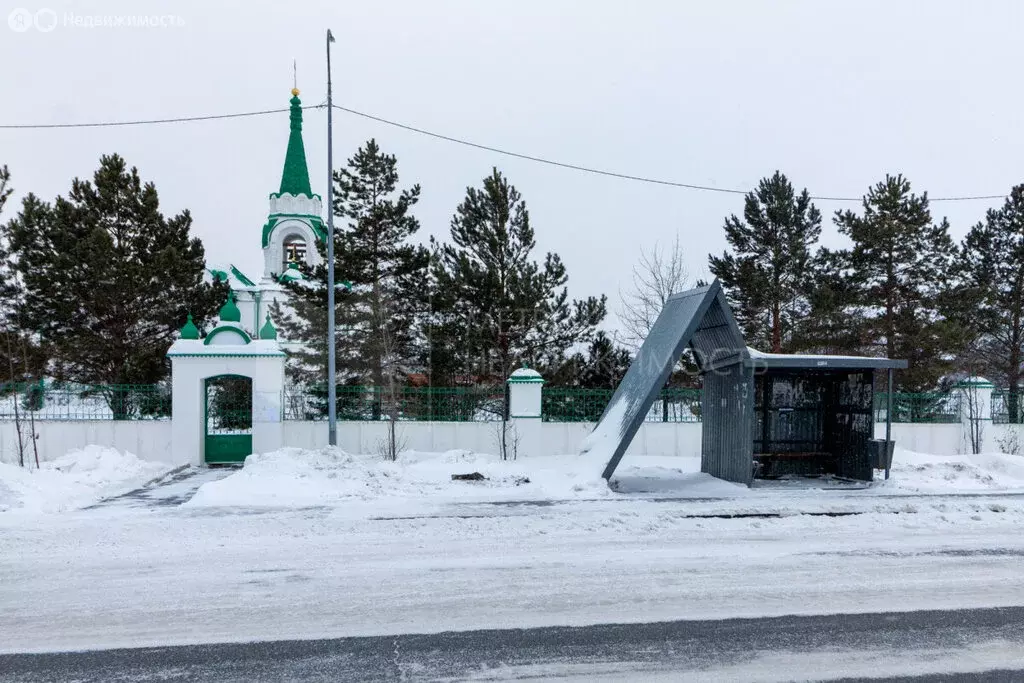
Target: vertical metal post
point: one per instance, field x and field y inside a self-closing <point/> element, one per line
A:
<point x="332" y="399"/>
<point x="888" y="416"/>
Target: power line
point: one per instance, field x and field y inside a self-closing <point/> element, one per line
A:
<point x="615" y="174"/>
<point x="458" y="141"/>
<point x="180" y="119"/>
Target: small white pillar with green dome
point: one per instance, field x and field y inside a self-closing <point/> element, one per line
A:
<point x="525" y="389"/>
<point x="227" y="391"/>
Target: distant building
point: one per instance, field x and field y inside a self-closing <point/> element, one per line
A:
<point x="294" y="225"/>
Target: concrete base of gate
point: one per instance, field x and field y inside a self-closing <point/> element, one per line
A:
<point x="225" y="351"/>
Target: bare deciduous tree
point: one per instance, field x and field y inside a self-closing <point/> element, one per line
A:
<point x="659" y="274"/>
<point x="390" y="369"/>
<point x="507" y="438"/>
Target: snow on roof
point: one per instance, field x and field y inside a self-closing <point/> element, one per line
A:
<point x="196" y="347"/>
<point x="236" y="279"/>
<point x="526" y="375"/>
<point x="821" y="360"/>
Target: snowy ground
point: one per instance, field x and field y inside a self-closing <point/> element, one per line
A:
<point x="77" y="480"/>
<point x="314" y="545"/>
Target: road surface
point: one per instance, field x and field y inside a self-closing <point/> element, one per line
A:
<point x="961" y="645"/>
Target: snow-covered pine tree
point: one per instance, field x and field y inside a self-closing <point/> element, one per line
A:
<point x="992" y="294"/>
<point x="765" y="274"/>
<point x="108" y="279"/>
<point x="901" y="264"/>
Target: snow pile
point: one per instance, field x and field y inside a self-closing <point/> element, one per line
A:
<point x="671" y="476"/>
<point x="78" y="479"/>
<point x="295" y="477"/>
<point x="927" y="473"/>
<point x="599" y="446"/>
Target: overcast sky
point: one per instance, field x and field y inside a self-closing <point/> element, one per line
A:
<point x="834" y="94"/>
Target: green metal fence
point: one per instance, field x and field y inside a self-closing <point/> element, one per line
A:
<point x="39" y="401"/>
<point x="573" y="404"/>
<point x="1000" y="407"/>
<point x="54" y="401"/>
<point x="935" y="407"/>
<point x="429" y="404"/>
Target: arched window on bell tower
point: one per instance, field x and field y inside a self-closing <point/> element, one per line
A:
<point x="294" y="252"/>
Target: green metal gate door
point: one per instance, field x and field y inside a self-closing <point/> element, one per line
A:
<point x="228" y="419"/>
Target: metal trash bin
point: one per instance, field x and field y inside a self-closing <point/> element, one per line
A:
<point x="881" y="453"/>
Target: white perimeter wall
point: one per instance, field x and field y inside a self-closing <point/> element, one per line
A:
<point x="151" y="439"/>
<point x="148" y="439"/>
<point x="556" y="437"/>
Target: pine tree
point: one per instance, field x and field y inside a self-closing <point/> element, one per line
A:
<point x="381" y="286"/>
<point x="388" y="274"/>
<point x="13" y="339"/>
<point x="303" y="323"/>
<point x="499" y="307"/>
<point x="602" y="366"/>
<point x="991" y="294"/>
<point x="108" y="280"/>
<point x="8" y="284"/>
<point x="765" y="276"/>
<point x="900" y="264"/>
<point x="833" y="320"/>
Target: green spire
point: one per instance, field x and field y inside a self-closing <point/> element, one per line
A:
<point x="295" y="179"/>
<point x="229" y="312"/>
<point x="189" y="329"/>
<point x="268" y="331"/>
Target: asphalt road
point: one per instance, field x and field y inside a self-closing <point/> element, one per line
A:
<point x="964" y="645"/>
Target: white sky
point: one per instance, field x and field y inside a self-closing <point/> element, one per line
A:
<point x="835" y="94"/>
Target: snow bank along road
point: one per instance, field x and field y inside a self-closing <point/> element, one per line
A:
<point x="913" y="645"/>
<point x="110" y="577"/>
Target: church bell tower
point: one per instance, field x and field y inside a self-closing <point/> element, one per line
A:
<point x="294" y="223"/>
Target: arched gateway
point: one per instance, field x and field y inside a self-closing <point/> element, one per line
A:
<point x="227" y="391"/>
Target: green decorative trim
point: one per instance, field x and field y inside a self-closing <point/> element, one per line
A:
<point x="245" y="281"/>
<point x="295" y="177"/>
<point x="278" y="195"/>
<point x="219" y="275"/>
<point x="525" y="379"/>
<point x="314" y="222"/>
<point x="975" y="385"/>
<point x="189" y="329"/>
<point x="227" y="355"/>
<point x="224" y="328"/>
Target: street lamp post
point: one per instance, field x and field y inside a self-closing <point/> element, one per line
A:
<point x="332" y="398"/>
